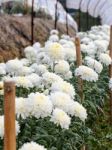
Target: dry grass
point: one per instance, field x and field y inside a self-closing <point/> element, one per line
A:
<point x="15" y="34"/>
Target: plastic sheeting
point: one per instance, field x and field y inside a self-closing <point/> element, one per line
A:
<point x="96" y="8"/>
<point x="49" y="7"/>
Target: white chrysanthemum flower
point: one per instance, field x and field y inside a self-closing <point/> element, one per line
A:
<point x="84" y="48"/>
<point x="17" y="127"/>
<point x="55" y="51"/>
<point x="25" y="62"/>
<point x="92" y="36"/>
<point x="105" y="59"/>
<point x="25" y="71"/>
<point x="62" y="67"/>
<point x="65" y="37"/>
<point x="70" y="54"/>
<point x="21" y="109"/>
<point x="2" y="71"/>
<point x="70" y="44"/>
<point x="43" y="58"/>
<point x="78" y="110"/>
<point x="61" y="100"/>
<point x="37" y="46"/>
<point x="30" y="54"/>
<point x="22" y="81"/>
<point x="68" y="75"/>
<point x="91" y="49"/>
<point x="102" y="45"/>
<point x="94" y="64"/>
<point x="13" y="66"/>
<point x="39" y="69"/>
<point x="2" y="127"/>
<point x="54" y="32"/>
<point x="110" y="83"/>
<point x="48" y="78"/>
<point x="86" y="73"/>
<point x="35" y="79"/>
<point x="54" y="38"/>
<point x="3" y="65"/>
<point x="32" y="146"/>
<point x="85" y="40"/>
<point x="59" y="117"/>
<point x="39" y="105"/>
<point x="63" y="86"/>
<point x="63" y="41"/>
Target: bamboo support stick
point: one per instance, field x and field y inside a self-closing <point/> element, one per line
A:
<point x="9" y="116"/>
<point x="110" y="74"/>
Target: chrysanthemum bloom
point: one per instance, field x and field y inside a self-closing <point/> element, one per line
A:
<point x="65" y="37"/>
<point x="63" y="86"/>
<point x="39" y="69"/>
<point x="2" y="71"/>
<point x="32" y="146"/>
<point x="84" y="48"/>
<point x="30" y="54"/>
<point x="55" y="51"/>
<point x="86" y="73"/>
<point x="61" y="100"/>
<point x="59" y="117"/>
<point x="37" y="46"/>
<point x="110" y="83"/>
<point x="94" y="64"/>
<point x="78" y="110"/>
<point x="54" y="38"/>
<point x="48" y="78"/>
<point x="43" y="58"/>
<point x="39" y="105"/>
<point x="62" y="67"/>
<point x="34" y="79"/>
<point x="23" y="81"/>
<point x="68" y="75"/>
<point x="70" y="53"/>
<point x="13" y="66"/>
<point x="56" y="32"/>
<point x="25" y="62"/>
<point x="2" y="127"/>
<point x="21" y="108"/>
<point x="105" y="59"/>
<point x="25" y="71"/>
<point x="102" y="45"/>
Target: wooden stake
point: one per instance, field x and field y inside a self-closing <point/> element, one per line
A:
<point x="9" y="116"/>
<point x="110" y="74"/>
<point x="32" y="23"/>
<point x="78" y="52"/>
<point x="79" y="63"/>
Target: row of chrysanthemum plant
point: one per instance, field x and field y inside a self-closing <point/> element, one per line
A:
<point x="49" y="90"/>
